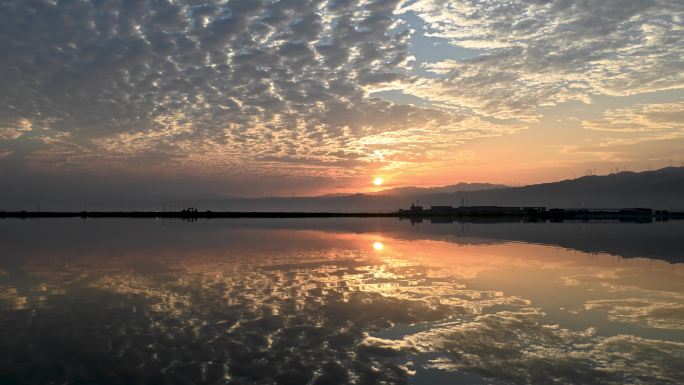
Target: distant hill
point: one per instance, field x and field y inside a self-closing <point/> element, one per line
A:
<point x="659" y="189"/>
<point x="662" y="188"/>
<point x="459" y="187"/>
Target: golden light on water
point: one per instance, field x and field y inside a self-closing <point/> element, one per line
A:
<point x="378" y="246"/>
<point x="378" y="181"/>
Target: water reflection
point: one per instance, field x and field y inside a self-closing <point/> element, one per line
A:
<point x="331" y="302"/>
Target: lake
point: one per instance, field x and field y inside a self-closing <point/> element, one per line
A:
<point x="340" y="300"/>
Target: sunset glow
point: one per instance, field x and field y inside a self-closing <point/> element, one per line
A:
<point x="228" y="101"/>
<point x="341" y="191"/>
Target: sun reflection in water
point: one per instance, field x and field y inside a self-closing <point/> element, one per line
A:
<point x="321" y="298"/>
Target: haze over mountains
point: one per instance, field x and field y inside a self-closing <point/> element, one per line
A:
<point x="659" y="189"/>
<point x="459" y="187"/>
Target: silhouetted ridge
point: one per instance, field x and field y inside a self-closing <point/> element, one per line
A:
<point x="659" y="189"/>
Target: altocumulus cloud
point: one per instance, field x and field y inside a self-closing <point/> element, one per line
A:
<point x="286" y="87"/>
<point x="219" y="84"/>
<point x="541" y="53"/>
<point x="656" y="120"/>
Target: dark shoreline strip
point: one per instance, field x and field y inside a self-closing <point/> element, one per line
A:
<point x="198" y="214"/>
<point x="569" y="214"/>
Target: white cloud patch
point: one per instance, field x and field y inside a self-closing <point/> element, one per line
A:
<point x="656" y="119"/>
<point x="16" y="130"/>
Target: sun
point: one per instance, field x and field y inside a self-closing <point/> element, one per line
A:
<point x="378" y="246"/>
<point x="378" y="181"/>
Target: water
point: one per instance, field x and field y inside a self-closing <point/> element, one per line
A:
<point x="336" y="301"/>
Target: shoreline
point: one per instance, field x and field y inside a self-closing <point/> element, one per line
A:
<point x="192" y="215"/>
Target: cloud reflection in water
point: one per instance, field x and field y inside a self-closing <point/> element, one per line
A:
<point x="312" y="306"/>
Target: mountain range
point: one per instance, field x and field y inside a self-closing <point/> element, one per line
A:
<point x="659" y="189"/>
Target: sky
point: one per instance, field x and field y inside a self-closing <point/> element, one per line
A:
<point x="295" y="97"/>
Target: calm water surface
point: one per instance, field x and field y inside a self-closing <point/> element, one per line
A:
<point x="331" y="301"/>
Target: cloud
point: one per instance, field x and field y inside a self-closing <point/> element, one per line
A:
<point x="288" y="88"/>
<point x="651" y="120"/>
<point x="542" y="53"/>
<point x="211" y="87"/>
<point x="22" y="126"/>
